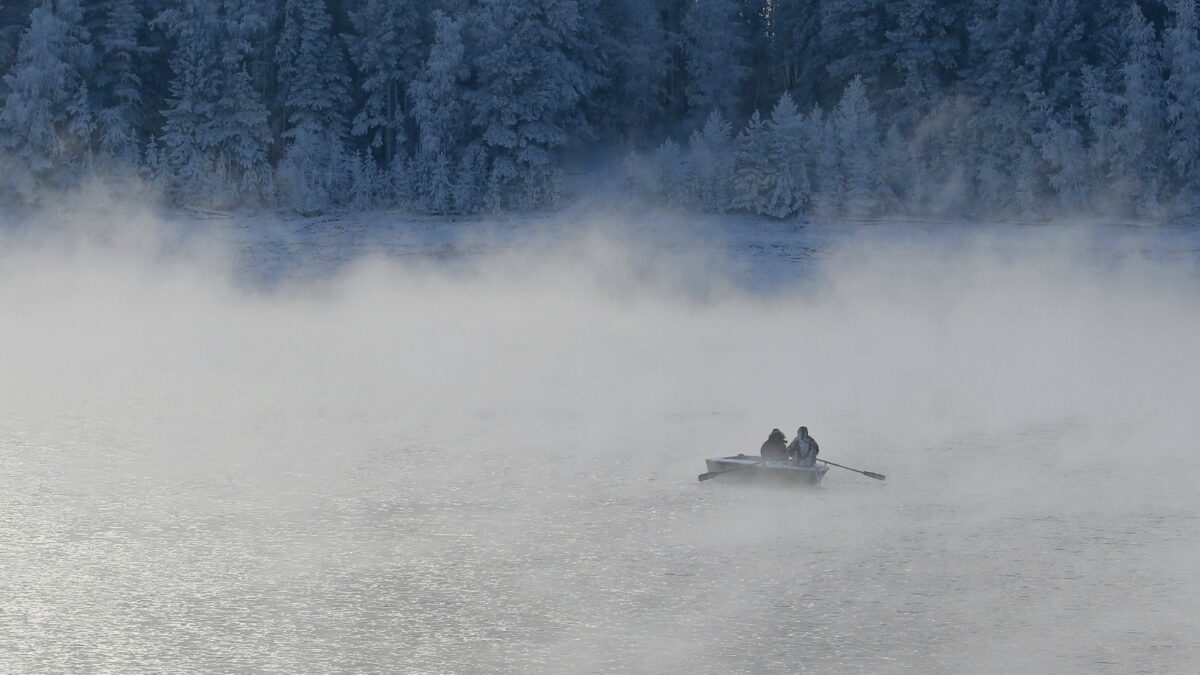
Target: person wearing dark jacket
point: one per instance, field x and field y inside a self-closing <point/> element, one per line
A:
<point x="775" y="447"/>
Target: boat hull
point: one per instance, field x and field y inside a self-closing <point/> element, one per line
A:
<point x="751" y="468"/>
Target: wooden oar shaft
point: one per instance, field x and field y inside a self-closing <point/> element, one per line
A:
<point x="868" y="474"/>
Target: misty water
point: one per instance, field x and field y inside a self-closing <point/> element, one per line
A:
<point x="463" y="447"/>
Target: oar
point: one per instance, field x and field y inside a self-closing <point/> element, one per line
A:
<point x="713" y="474"/>
<point x="868" y="474"/>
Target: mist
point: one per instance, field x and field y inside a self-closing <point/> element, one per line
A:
<point x="478" y="453"/>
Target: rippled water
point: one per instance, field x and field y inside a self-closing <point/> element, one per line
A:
<point x="401" y="559"/>
<point x="207" y="504"/>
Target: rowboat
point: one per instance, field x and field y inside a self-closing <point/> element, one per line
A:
<point x="753" y="468"/>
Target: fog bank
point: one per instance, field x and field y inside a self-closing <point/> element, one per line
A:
<point x="487" y="464"/>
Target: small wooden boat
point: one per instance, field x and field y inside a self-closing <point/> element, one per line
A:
<point x="753" y="468"/>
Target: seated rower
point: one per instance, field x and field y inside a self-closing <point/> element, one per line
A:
<point x="804" y="448"/>
<point x="775" y="447"/>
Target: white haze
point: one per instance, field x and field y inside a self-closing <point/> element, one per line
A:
<point x="489" y="466"/>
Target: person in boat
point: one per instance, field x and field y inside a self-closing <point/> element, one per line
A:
<point x="804" y="448"/>
<point x="775" y="447"/>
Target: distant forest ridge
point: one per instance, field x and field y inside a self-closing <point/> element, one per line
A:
<point x="773" y="107"/>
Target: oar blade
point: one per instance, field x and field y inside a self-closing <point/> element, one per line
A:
<point x="711" y="474"/>
<point x="876" y="476"/>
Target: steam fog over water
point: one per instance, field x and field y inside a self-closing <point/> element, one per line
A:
<point x="436" y="447"/>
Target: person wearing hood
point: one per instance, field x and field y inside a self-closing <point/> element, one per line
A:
<point x="775" y="447"/>
<point x="804" y="448"/>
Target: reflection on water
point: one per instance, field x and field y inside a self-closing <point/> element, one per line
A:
<point x="412" y="559"/>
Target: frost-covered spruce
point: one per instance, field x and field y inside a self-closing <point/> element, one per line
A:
<point x="531" y="72"/>
<point x="184" y="156"/>
<point x="925" y="52"/>
<point x="120" y="131"/>
<point x="751" y="188"/>
<point x="1182" y="49"/>
<point x="212" y="149"/>
<point x="671" y="169"/>
<point x="788" y="185"/>
<point x="854" y="40"/>
<point x="828" y="181"/>
<point x="467" y="194"/>
<point x="1139" y="140"/>
<point x="1063" y="157"/>
<point x="438" y="186"/>
<point x="857" y="137"/>
<point x="314" y="172"/>
<point x="439" y="111"/>
<point x="1101" y="113"/>
<point x="385" y="46"/>
<point x="710" y="165"/>
<point x="46" y="121"/>
<point x="366" y="181"/>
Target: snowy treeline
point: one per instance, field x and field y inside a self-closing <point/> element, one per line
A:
<point x="775" y="107"/>
<point x="955" y="109"/>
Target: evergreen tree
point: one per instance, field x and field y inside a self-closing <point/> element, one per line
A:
<point x="1025" y="65"/>
<point x="934" y="174"/>
<point x="386" y="47"/>
<point x="901" y="176"/>
<point x="440" y="113"/>
<point x="180" y="161"/>
<point x="438" y="91"/>
<point x="213" y="146"/>
<point x="1103" y="27"/>
<point x="925" y="48"/>
<point x="857" y="137"/>
<point x="47" y="121"/>
<point x="239" y="128"/>
<point x="120" y="121"/>
<point x="787" y="154"/>
<point x="1060" y="143"/>
<point x="855" y="33"/>
<point x="752" y="169"/>
<point x="366" y="181"/>
<point x="1019" y="50"/>
<point x="1026" y="183"/>
<point x="1182" y="45"/>
<point x="672" y="171"/>
<point x="710" y="164"/>
<point x="438" y="189"/>
<point x="14" y="19"/>
<point x="826" y="169"/>
<point x="312" y="77"/>
<point x="1101" y="115"/>
<point x="461" y="105"/>
<point x="714" y="47"/>
<point x="1056" y="54"/>
<point x="526" y="102"/>
<point x="1139" y="151"/>
<point x="468" y="183"/>
<point x="315" y="167"/>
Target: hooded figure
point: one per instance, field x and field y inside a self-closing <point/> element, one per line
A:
<point x="775" y="447"/>
<point x="804" y="448"/>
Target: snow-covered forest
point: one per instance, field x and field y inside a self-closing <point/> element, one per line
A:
<point x="774" y="107"/>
